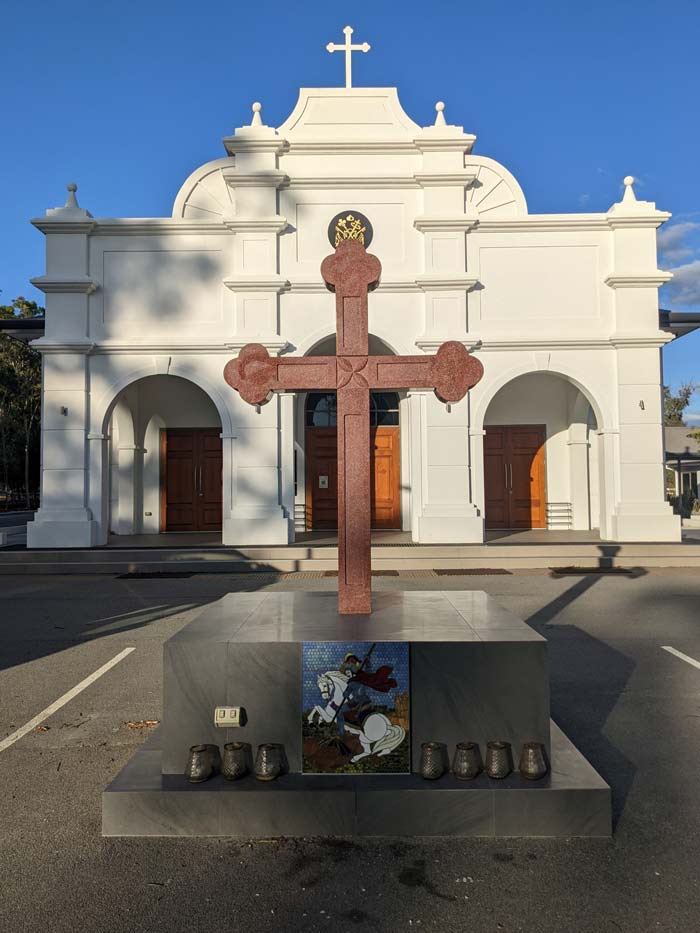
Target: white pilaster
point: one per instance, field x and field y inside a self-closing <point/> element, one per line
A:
<point x="448" y="514"/>
<point x="578" y="476"/>
<point x="64" y="518"/>
<point x="641" y="512"/>
<point x="256" y="515"/>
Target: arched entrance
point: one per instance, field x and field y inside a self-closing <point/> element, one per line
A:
<point x="316" y="461"/>
<point x="165" y="459"/>
<point x="541" y="456"/>
<point x="321" y="438"/>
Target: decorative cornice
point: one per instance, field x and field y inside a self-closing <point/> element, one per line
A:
<point x="462" y="143"/>
<point x="264" y="179"/>
<point x="385" y="285"/>
<point x="256" y="283"/>
<point x="621" y="341"/>
<point x="570" y="343"/>
<point x="273" y="224"/>
<point x="275" y="344"/>
<point x="640" y="280"/>
<point x="653" y="219"/>
<point x="149" y="347"/>
<point x="458" y="222"/>
<point x="431" y="344"/>
<point x="49" y="225"/>
<point x="445" y="179"/>
<point x="77" y="285"/>
<point x="50" y="345"/>
<point x="353" y="181"/>
<point x="131" y="226"/>
<point x="446" y="282"/>
<point x="336" y="146"/>
<point x="234" y="144"/>
<point x="537" y="223"/>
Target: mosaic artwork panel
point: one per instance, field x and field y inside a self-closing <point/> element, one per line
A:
<point x="356" y="708"/>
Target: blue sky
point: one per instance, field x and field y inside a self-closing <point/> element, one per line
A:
<point x="127" y="99"/>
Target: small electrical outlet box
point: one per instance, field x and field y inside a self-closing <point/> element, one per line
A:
<point x="228" y="716"/>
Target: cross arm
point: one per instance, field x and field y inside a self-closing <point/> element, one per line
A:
<point x="451" y="372"/>
<point x="256" y="375"/>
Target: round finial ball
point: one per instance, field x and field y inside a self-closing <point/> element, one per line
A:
<point x="628" y="180"/>
<point x="72" y="186"/>
<point x="257" y="107"/>
<point x="440" y="106"/>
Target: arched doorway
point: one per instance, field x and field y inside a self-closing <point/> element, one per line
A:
<point x="541" y="456"/>
<point x="316" y="463"/>
<point x="321" y="445"/>
<point x="165" y="456"/>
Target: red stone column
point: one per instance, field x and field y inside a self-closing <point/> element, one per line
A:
<point x="354" y="547"/>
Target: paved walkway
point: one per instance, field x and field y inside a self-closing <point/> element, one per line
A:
<point x="630" y="705"/>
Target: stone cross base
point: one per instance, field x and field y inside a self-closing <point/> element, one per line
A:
<point x="478" y="673"/>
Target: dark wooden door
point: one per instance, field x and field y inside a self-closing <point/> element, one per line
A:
<point x="191" y="481"/>
<point x="322" y="478"/>
<point x="514" y="476"/>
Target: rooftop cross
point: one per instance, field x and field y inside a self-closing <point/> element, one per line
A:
<point x="352" y="373"/>
<point x="348" y="48"/>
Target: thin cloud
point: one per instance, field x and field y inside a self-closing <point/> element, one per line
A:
<point x="672" y="236"/>
<point x="684" y="287"/>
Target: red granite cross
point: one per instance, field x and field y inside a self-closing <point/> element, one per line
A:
<point x="353" y="373"/>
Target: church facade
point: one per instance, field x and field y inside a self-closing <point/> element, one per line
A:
<point x="142" y="435"/>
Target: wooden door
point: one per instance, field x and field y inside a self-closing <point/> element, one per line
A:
<point x="385" y="469"/>
<point x="514" y="476"/>
<point x="191" y="482"/>
<point x="322" y="478"/>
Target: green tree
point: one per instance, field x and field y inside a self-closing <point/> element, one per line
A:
<point x="20" y="402"/>
<point x="675" y="405"/>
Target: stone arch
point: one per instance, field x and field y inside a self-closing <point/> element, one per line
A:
<point x="312" y="342"/>
<point x="322" y="343"/>
<point x="566" y="461"/>
<point x="132" y="421"/>
<point x="101" y="412"/>
<point x="482" y="399"/>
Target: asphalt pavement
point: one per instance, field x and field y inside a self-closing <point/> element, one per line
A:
<point x="632" y="708"/>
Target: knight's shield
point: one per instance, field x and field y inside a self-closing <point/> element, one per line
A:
<point x="356" y="708"/>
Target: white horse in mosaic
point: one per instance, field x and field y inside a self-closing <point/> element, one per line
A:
<point x="378" y="735"/>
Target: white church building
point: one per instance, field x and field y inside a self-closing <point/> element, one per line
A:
<point x="142" y="435"/>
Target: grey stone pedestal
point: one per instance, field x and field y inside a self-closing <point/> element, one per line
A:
<point x="477" y="673"/>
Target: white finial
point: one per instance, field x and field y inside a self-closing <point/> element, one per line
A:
<point x="440" y="114"/>
<point x="71" y="200"/>
<point x="348" y="48"/>
<point x="629" y="194"/>
<point x="257" y="119"/>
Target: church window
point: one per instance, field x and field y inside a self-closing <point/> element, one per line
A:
<point x="321" y="409"/>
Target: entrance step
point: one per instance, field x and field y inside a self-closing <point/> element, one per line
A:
<point x="386" y="557"/>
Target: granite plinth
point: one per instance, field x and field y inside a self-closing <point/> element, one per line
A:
<point x="477" y="671"/>
<point x="573" y="800"/>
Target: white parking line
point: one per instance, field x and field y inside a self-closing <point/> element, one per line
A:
<point x="683" y="657"/>
<point x="61" y="701"/>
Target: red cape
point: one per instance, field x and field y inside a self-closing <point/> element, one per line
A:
<point x="377" y="680"/>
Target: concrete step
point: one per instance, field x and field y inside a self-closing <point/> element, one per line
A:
<point x="308" y="558"/>
<point x="13" y="534"/>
